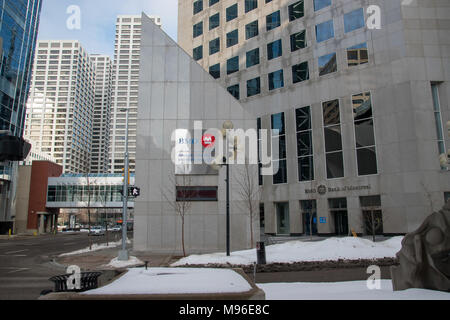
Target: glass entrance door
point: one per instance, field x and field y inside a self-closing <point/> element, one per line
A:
<point x="341" y="223"/>
<point x="283" y="218"/>
<point x="309" y="210"/>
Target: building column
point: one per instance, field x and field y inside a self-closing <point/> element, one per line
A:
<point x="324" y="226"/>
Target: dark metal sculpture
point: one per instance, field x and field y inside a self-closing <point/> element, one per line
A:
<point x="425" y="255"/>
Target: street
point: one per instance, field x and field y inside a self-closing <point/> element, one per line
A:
<point x="26" y="262"/>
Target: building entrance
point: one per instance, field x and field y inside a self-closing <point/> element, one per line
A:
<point x="282" y="210"/>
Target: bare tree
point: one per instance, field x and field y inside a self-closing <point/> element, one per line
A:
<point x="180" y="203"/>
<point x="250" y="192"/>
<point x="373" y="220"/>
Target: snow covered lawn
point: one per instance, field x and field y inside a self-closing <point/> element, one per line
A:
<point x="354" y="290"/>
<point x="331" y="249"/>
<point x="175" y="281"/>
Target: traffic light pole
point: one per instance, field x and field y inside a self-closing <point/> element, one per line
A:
<point x="123" y="254"/>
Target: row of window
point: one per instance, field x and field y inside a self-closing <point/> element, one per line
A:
<point x="364" y="140"/>
<point x="356" y="55"/>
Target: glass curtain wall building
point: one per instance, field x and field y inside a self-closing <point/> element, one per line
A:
<point x="19" y="22"/>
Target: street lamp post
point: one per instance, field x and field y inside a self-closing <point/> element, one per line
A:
<point x="228" y="125"/>
<point x="123" y="253"/>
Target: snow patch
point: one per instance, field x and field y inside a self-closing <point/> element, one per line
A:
<point x="175" y="281"/>
<point x="332" y="249"/>
<point x="116" y="263"/>
<point x="95" y="247"/>
<point x="353" y="290"/>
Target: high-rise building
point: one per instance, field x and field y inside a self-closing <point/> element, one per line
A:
<point x="19" y="24"/>
<point x="102" y="113"/>
<point x="60" y="108"/>
<point x="125" y="88"/>
<point x="359" y="91"/>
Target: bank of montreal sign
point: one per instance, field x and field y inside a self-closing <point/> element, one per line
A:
<point x="199" y="151"/>
<point x="322" y="190"/>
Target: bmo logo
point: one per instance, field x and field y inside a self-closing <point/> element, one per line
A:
<point x="208" y="140"/>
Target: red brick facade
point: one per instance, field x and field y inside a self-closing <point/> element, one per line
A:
<point x="40" y="172"/>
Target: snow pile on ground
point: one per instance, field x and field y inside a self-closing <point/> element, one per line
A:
<point x="175" y="281"/>
<point x="354" y="290"/>
<point x="132" y="261"/>
<point x="95" y="247"/>
<point x="332" y="249"/>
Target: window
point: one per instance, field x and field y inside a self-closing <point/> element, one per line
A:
<point x="198" y="29"/>
<point x="276" y="80"/>
<point x="300" y="72"/>
<point x="273" y="21"/>
<point x="253" y="87"/>
<point x="212" y="2"/>
<point x="198" y="6"/>
<point x="251" y="30"/>
<point x="233" y="65"/>
<point x="232" y="12"/>
<point x="304" y="144"/>
<point x="252" y="58"/>
<point x="364" y="134"/>
<point x="215" y="71"/>
<point x="250" y="5"/>
<point x="324" y="31"/>
<point x="319" y="4"/>
<point x="234" y="90"/>
<point x="438" y="120"/>
<point x="357" y="55"/>
<point x="446" y="197"/>
<point x="214" y="21"/>
<point x="274" y="50"/>
<point x="296" y="10"/>
<point x="278" y="123"/>
<point x="327" y="64"/>
<point x="198" y="53"/>
<point x="298" y="40"/>
<point x="196" y="193"/>
<point x="333" y="139"/>
<point x="232" y="38"/>
<point x="354" y="20"/>
<point x="214" y="46"/>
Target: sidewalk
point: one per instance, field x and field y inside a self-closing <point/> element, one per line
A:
<point x="98" y="260"/>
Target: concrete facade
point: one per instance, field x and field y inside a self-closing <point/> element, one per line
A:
<point x="409" y="54"/>
<point x="174" y="92"/>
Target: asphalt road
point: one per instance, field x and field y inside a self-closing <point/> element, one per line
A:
<point x="26" y="262"/>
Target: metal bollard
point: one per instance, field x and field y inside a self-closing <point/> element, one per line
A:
<point x="261" y="253"/>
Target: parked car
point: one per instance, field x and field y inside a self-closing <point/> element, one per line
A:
<point x="115" y="228"/>
<point x="97" y="231"/>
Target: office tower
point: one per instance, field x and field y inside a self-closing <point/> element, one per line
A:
<point x="125" y="89"/>
<point x="60" y="108"/>
<point x="102" y="113"/>
<point x="359" y="91"/>
<point x="19" y="25"/>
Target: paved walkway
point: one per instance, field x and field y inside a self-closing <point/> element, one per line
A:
<point x="98" y="260"/>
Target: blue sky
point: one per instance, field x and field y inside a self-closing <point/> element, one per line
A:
<point x="98" y="18"/>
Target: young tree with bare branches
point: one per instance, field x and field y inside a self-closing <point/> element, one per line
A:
<point x="180" y="203"/>
<point x="250" y="192"/>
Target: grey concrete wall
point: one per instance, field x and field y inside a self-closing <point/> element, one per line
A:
<point x="409" y="52"/>
<point x="174" y="91"/>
